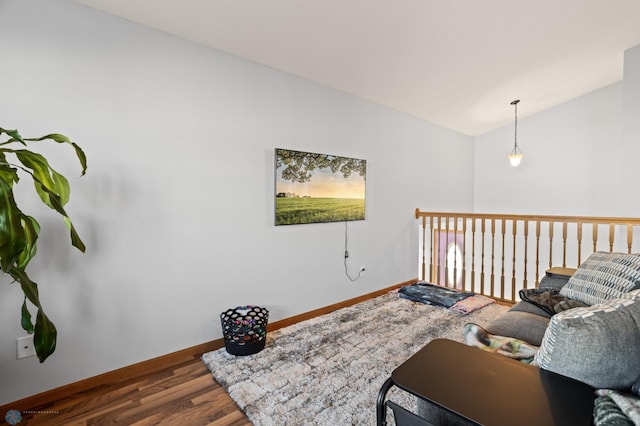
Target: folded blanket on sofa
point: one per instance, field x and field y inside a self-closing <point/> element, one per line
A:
<point x="474" y="335"/>
<point x="549" y="300"/>
<point x="627" y="404"/>
<point x="607" y="413"/>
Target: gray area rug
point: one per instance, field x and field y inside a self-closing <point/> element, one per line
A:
<point x="328" y="370"/>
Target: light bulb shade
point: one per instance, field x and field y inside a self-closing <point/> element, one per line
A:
<point x="515" y="159"/>
<point x="516" y="156"/>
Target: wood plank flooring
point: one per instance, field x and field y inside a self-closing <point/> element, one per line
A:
<point x="173" y="389"/>
<point x="183" y="394"/>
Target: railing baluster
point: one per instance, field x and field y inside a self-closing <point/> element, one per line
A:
<point x="579" y="242"/>
<point x="595" y="237"/>
<point x="473" y="254"/>
<point x="431" y="244"/>
<point x="493" y="256"/>
<point x="537" y="251"/>
<point x="464" y="254"/>
<point x="438" y="259"/>
<point x="526" y="247"/>
<point x="424" y="242"/>
<point x="446" y="252"/>
<point x="513" y="271"/>
<point x="564" y="244"/>
<point x="455" y="258"/>
<point x="502" y="230"/>
<point x="551" y="225"/>
<point x="612" y="233"/>
<point x="482" y="263"/>
<point x="629" y="238"/>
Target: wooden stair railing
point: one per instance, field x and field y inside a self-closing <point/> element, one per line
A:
<point x="499" y="254"/>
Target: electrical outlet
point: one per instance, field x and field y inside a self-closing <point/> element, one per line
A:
<point x="24" y="347"/>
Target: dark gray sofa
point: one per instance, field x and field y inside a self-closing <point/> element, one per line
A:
<point x="524" y="321"/>
<point x="597" y="343"/>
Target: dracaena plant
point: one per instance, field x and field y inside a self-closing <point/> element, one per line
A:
<point x="19" y="231"/>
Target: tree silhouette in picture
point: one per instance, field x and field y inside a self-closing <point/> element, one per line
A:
<point x="298" y="166"/>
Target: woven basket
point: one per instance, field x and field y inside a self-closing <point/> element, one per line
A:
<point x="244" y="329"/>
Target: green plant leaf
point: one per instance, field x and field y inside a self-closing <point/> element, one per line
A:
<point x="26" y="323"/>
<point x="45" y="336"/>
<point x="12" y="235"/>
<point x="29" y="288"/>
<point x="44" y="176"/>
<point x="31" y="230"/>
<point x="15" y="137"/>
<point x="18" y="232"/>
<point x="54" y="136"/>
<point x="7" y="173"/>
<point x="64" y="139"/>
<point x="81" y="156"/>
<point x="57" y="206"/>
<point x="75" y="237"/>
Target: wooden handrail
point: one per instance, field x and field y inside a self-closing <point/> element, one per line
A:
<point x="508" y="252"/>
<point x="543" y="218"/>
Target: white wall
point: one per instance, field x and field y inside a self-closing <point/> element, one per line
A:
<point x="630" y="152"/>
<point x="580" y="158"/>
<point x="177" y="206"/>
<point x="571" y="165"/>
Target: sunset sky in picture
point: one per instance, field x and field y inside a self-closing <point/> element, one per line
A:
<point x="325" y="184"/>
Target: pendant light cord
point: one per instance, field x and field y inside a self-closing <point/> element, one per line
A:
<point x="515" y="136"/>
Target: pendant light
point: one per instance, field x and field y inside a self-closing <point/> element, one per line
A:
<point x="516" y="155"/>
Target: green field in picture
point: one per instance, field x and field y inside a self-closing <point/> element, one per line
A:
<point x="299" y="210"/>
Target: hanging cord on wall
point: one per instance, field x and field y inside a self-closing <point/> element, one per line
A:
<point x="346" y="256"/>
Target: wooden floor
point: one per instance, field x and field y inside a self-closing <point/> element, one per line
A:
<point x="173" y="389"/>
<point x="183" y="394"/>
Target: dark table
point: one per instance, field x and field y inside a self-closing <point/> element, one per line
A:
<point x="489" y="389"/>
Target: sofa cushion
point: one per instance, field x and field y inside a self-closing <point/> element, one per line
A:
<point x="598" y="345"/>
<point x="603" y="276"/>
<point x="520" y="325"/>
<point x="531" y="308"/>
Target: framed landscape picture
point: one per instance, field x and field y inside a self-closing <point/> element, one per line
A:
<point x="318" y="188"/>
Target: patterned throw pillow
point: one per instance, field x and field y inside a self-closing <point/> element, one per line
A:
<point x="598" y="345"/>
<point x="603" y="276"/>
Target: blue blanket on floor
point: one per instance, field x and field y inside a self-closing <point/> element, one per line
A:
<point x="432" y="294"/>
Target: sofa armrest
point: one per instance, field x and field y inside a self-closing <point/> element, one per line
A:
<point x="556" y="278"/>
<point x="558" y="271"/>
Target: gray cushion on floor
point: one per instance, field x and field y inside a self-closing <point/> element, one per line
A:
<point x="520" y="325"/>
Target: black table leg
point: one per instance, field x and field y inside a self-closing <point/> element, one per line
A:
<point x="381" y="411"/>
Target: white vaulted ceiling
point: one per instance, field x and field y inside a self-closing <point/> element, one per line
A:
<point x="456" y="63"/>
